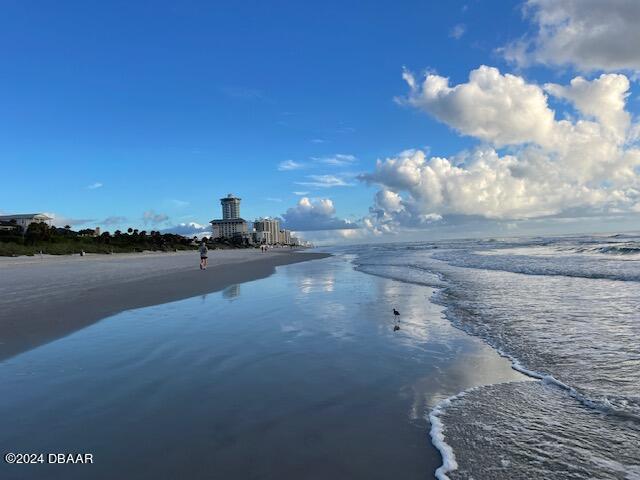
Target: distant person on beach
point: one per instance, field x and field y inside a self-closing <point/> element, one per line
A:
<point x="203" y="256"/>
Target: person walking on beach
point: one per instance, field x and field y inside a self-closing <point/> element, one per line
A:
<point x="203" y="255"/>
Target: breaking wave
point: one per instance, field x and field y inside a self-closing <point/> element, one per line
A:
<point x="565" y="311"/>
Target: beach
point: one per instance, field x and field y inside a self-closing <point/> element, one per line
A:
<point x="46" y="297"/>
<point x="276" y="368"/>
<point x="299" y="374"/>
<point x="320" y="241"/>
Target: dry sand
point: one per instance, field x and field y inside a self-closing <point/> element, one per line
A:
<point x="46" y="297"/>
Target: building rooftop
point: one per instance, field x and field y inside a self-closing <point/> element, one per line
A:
<point x="25" y="215"/>
<point x="228" y="220"/>
<point x="230" y="196"/>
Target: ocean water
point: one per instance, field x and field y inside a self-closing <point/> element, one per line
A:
<point x="565" y="311"/>
<point x="299" y="375"/>
<point x="516" y="359"/>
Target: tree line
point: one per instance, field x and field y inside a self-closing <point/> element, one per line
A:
<point x="40" y="237"/>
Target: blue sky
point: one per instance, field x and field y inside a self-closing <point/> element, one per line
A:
<point x="112" y="109"/>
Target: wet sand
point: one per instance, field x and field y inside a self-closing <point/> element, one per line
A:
<point x="295" y="376"/>
<point x="43" y="298"/>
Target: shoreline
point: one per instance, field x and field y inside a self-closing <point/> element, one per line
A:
<point x="299" y="361"/>
<point x="45" y="298"/>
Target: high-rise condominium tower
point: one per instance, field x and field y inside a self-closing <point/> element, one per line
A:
<point x="230" y="207"/>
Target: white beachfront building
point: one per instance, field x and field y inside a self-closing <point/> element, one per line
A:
<point x="262" y="237"/>
<point x="229" y="228"/>
<point x="267" y="229"/>
<point x="230" y="225"/>
<point x="285" y="237"/>
<point x="25" y="219"/>
<point x="230" y="207"/>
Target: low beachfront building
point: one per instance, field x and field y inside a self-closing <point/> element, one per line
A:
<point x="285" y="237"/>
<point x="25" y="219"/>
<point x="7" y="226"/>
<point x="229" y="228"/>
<point x="270" y="225"/>
<point x="262" y="237"/>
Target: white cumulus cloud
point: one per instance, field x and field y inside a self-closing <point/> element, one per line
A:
<point x="603" y="99"/>
<point x="529" y="164"/>
<point x="587" y="34"/>
<point x="317" y="214"/>
<point x="502" y="109"/>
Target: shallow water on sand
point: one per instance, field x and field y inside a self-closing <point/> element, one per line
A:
<point x="299" y="375"/>
<point x="567" y="311"/>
